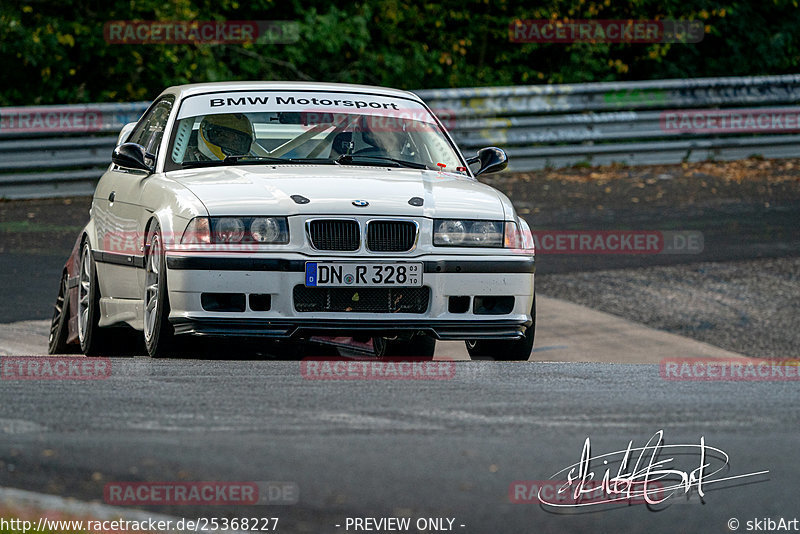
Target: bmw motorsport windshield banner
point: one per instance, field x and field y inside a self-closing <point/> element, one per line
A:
<point x="302" y="101"/>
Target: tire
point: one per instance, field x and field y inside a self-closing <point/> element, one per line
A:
<point x="419" y="346"/>
<point x="57" y="342"/>
<point x="94" y="340"/>
<point x="514" y="350"/>
<point x="158" y="332"/>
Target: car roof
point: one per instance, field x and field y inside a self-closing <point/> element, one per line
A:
<point x="183" y="91"/>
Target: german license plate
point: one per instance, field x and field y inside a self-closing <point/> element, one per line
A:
<point x="363" y="274"/>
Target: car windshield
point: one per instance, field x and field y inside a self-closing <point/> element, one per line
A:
<point x="251" y="127"/>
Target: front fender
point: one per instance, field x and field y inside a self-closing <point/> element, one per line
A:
<point x="171" y="204"/>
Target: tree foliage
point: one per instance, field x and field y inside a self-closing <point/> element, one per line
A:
<point x="55" y="52"/>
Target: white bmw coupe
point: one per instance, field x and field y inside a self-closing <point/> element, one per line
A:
<point x="299" y="211"/>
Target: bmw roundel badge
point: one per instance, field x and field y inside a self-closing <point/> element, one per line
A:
<point x="360" y="203"/>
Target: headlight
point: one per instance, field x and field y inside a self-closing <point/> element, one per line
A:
<point x="449" y="232"/>
<point x="268" y="230"/>
<point x="467" y="233"/>
<point x="228" y="230"/>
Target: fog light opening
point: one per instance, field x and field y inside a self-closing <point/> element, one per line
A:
<point x="493" y="305"/>
<point x="223" y="302"/>
<point x="458" y="304"/>
<point x="259" y="302"/>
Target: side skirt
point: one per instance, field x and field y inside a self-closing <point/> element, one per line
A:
<point x="115" y="311"/>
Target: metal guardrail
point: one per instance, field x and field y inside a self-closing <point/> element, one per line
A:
<point x="61" y="150"/>
<point x="617" y="122"/>
<point x="53" y="151"/>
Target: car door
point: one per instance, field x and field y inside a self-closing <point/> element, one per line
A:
<point x="119" y="212"/>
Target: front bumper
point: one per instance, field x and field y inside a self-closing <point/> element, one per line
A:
<point x="445" y="330"/>
<point x="191" y="275"/>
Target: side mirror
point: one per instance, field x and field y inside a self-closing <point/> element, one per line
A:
<point x="132" y="156"/>
<point x="492" y="159"/>
<point x="125" y="132"/>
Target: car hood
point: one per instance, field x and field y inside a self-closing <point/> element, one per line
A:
<point x="268" y="190"/>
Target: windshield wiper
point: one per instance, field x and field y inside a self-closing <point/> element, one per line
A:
<point x="201" y="163"/>
<point x="253" y="160"/>
<point x="350" y="158"/>
<point x="247" y="157"/>
<point x="324" y="161"/>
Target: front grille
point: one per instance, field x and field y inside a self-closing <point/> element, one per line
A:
<point x="334" y="234"/>
<point x="391" y="236"/>
<point x="361" y="300"/>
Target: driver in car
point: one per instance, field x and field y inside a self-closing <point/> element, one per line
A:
<point x="380" y="141"/>
<point x="219" y="136"/>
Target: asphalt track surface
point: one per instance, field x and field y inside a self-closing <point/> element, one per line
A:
<point x="411" y="448"/>
<point x="450" y="448"/>
<point x="445" y="448"/>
